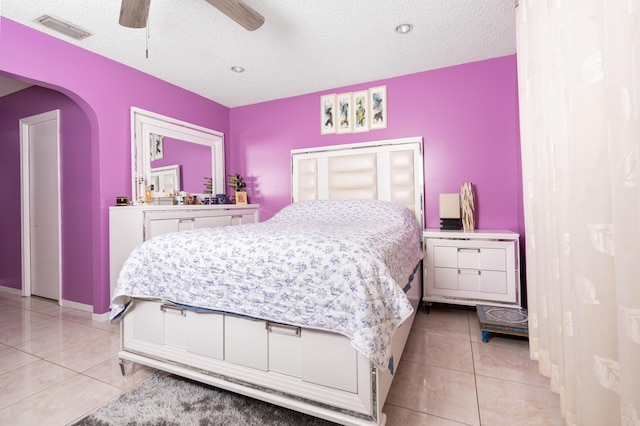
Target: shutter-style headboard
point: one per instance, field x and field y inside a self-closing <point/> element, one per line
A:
<point x="388" y="170"/>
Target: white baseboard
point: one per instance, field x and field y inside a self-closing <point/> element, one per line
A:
<point x="76" y="305"/>
<point x="11" y="290"/>
<point x="66" y="303"/>
<point x="87" y="308"/>
<point x="101" y="317"/>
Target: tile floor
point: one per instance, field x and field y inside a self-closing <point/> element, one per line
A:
<point x="56" y="365"/>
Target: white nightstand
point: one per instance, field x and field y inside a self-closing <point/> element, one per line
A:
<point x="470" y="268"/>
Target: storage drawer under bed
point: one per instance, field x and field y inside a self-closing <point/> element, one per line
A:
<point x="177" y="334"/>
<point x="166" y="325"/>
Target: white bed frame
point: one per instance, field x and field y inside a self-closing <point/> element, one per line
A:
<point x="311" y="371"/>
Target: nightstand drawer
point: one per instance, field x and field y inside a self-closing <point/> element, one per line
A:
<point x="493" y="259"/>
<point x="486" y="258"/>
<point x="494" y="282"/>
<point x="445" y="278"/>
<point x="474" y="280"/>
<point x="445" y="257"/>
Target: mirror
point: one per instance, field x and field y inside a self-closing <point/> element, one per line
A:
<point x="174" y="152"/>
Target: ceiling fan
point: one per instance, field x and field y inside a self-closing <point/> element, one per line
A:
<point x="134" y="13"/>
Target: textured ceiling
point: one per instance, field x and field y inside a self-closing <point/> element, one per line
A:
<point x="304" y="46"/>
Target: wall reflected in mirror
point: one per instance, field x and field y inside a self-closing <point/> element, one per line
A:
<point x="193" y="163"/>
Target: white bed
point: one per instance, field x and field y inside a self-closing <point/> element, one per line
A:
<point x="312" y="359"/>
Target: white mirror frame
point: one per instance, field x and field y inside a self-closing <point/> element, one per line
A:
<point x="144" y="123"/>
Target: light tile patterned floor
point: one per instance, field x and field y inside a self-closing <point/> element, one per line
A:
<point x="56" y="365"/>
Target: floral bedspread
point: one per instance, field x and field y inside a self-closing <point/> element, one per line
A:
<point x="338" y="266"/>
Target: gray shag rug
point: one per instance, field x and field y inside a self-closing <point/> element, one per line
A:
<point x="168" y="400"/>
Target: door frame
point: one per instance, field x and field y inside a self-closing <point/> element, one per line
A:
<point x="25" y="201"/>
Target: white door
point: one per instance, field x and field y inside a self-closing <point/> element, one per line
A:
<point x="41" y="242"/>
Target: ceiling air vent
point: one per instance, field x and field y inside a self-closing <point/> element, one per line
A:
<point x="66" y="28"/>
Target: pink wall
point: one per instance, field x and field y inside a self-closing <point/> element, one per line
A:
<point x="467" y="115"/>
<point x="105" y="91"/>
<point x="75" y="160"/>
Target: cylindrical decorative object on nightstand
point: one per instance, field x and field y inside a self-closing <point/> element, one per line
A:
<point x="467" y="207"/>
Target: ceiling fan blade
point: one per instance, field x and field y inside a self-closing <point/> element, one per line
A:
<point x="134" y="13"/>
<point x="239" y="12"/>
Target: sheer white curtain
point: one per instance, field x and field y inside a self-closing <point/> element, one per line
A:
<point x="579" y="89"/>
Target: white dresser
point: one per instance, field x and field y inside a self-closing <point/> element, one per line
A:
<point x="470" y="268"/>
<point x="129" y="226"/>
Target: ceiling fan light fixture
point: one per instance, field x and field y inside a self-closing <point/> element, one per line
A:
<point x="134" y="13"/>
<point x="404" y="28"/>
<point x="237" y="69"/>
<point x="239" y="12"/>
<point x="63" y="27"/>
